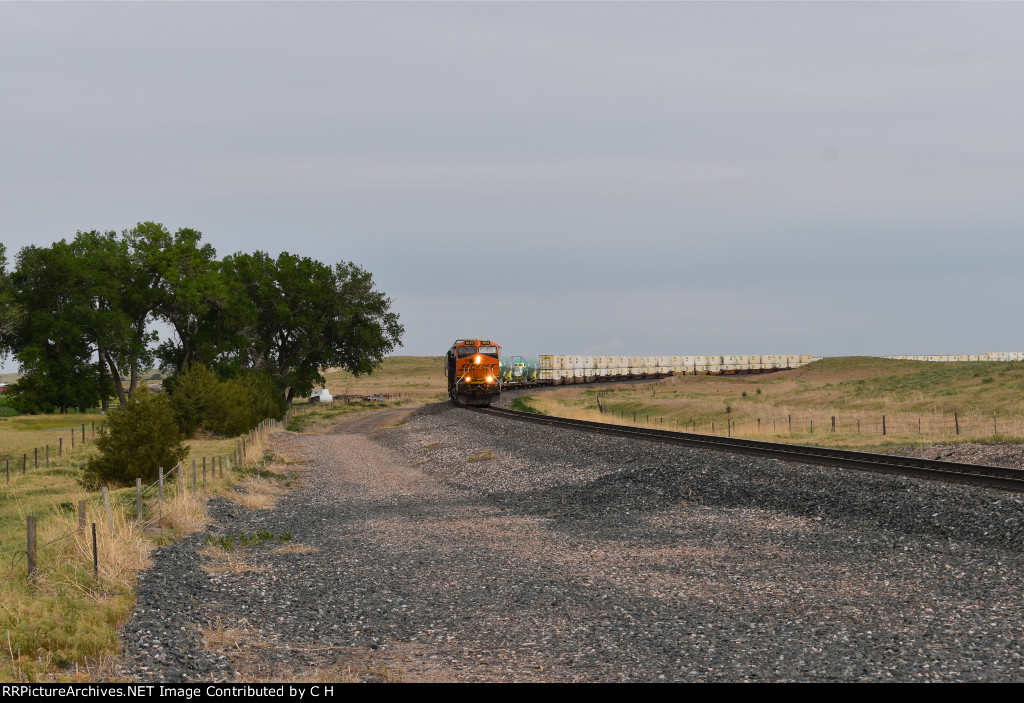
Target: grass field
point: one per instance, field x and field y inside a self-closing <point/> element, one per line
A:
<point x="921" y="401"/>
<point x="420" y="378"/>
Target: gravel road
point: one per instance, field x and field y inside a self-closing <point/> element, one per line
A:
<point x="462" y="547"/>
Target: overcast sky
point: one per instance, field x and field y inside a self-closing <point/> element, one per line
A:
<point x="630" y="178"/>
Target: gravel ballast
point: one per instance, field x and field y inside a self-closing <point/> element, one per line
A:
<point x="460" y="546"/>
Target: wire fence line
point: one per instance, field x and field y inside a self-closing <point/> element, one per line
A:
<point x="950" y="426"/>
<point x="219" y="467"/>
<point x="59" y="450"/>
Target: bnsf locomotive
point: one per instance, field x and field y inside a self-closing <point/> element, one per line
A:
<point x="473" y="370"/>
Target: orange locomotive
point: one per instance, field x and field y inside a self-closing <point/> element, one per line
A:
<point x="472" y="368"/>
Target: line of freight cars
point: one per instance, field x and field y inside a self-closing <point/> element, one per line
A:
<point x="556" y="369"/>
<point x="995" y="356"/>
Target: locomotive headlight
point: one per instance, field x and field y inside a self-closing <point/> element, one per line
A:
<point x="478" y="358"/>
<point x="490" y="378"/>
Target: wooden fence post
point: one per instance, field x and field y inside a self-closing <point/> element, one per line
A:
<point x="193" y="475"/>
<point x="138" y="499"/>
<point x="160" y="485"/>
<point x="106" y="506"/>
<point x="47" y="454"/>
<point x="883" y="425"/>
<point x="31" y="552"/>
<point x="181" y="481"/>
<point x="956" y="422"/>
<point x="60" y="447"/>
<point x="95" y="555"/>
<point x="81" y="517"/>
<point x="204" y="473"/>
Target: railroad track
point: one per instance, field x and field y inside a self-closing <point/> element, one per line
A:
<point x="975" y="474"/>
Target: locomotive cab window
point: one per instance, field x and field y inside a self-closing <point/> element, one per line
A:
<point x="466" y="351"/>
<point x="493" y="351"/>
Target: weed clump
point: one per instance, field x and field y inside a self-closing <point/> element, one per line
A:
<point x="229" y="542"/>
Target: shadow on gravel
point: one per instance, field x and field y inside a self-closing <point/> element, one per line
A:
<point x="852" y="499"/>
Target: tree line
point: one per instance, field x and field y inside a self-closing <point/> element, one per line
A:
<point x="82" y="316"/>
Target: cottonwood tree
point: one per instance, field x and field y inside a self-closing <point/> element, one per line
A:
<point x="302" y="316"/>
<point x="51" y="337"/>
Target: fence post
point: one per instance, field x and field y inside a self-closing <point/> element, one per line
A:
<point x="83" y="433"/>
<point x="956" y="422"/>
<point x="35" y="458"/>
<point x="833" y="423"/>
<point x="883" y="425"/>
<point x="193" y="475"/>
<point x="181" y="481"/>
<point x="791" y="424"/>
<point x="160" y="486"/>
<point x="47" y="454"/>
<point x="24" y="464"/>
<point x="106" y="506"/>
<point x="60" y="447"/>
<point x="94" y="429"/>
<point x="81" y="517"/>
<point x="72" y="439"/>
<point x="31" y="552"/>
<point x="95" y="555"/>
<point x="138" y="499"/>
<point x="204" y="473"/>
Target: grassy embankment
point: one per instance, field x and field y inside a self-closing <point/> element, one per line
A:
<point x="918" y="399"/>
<point x="65" y="616"/>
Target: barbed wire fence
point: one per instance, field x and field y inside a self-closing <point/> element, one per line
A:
<point x="168" y="485"/>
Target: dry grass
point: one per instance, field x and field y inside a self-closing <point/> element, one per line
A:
<point x="224" y="561"/>
<point x="417" y="378"/>
<point x="918" y="400"/>
<point x="295" y="548"/>
<point x="217" y="637"/>
<point x="258" y="493"/>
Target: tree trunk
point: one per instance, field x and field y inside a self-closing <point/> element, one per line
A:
<point x="117" y="381"/>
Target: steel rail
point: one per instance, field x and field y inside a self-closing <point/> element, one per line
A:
<point x="974" y="474"/>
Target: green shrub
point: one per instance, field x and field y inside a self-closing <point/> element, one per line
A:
<point x="138" y="439"/>
<point x="193" y="397"/>
<point x="229" y="408"/>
